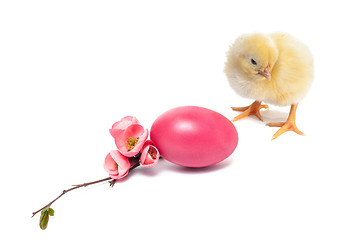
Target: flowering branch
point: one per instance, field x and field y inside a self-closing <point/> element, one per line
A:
<point x="133" y="150"/>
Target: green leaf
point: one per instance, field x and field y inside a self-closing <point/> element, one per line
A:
<point x="44" y="219"/>
<point x="51" y="212"/>
<point x="44" y="210"/>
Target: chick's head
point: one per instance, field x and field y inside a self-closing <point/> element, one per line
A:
<point x="256" y="55"/>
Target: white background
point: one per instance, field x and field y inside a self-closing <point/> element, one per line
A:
<point x="70" y="69"/>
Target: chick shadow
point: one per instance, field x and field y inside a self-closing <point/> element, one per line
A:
<point x="271" y="116"/>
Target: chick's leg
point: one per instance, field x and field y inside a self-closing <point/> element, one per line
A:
<point x="289" y="125"/>
<point x="252" y="109"/>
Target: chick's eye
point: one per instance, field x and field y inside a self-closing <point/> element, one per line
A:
<point x="253" y="61"/>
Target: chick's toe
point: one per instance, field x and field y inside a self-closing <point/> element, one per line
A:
<point x="289" y="125"/>
<point x="252" y="109"/>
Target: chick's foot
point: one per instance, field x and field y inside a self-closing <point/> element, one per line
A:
<point x="252" y="109"/>
<point x="289" y="125"/>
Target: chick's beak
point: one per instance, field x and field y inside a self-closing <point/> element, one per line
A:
<point x="266" y="72"/>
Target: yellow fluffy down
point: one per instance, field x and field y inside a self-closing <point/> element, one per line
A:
<point x="291" y="64"/>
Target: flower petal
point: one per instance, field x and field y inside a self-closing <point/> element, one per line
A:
<point x="116" y="164"/>
<point x="121" y="160"/>
<point x="115" y="132"/>
<point x="132" y="119"/>
<point x="144" y="155"/>
<point x="123" y="172"/>
<point x="147" y="143"/>
<point x="115" y="176"/>
<point x="150" y="155"/>
<point x="133" y="131"/>
<point x="121" y="125"/>
<point x="138" y="147"/>
<point x="109" y="164"/>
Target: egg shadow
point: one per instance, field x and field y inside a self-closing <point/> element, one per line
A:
<point x="192" y="170"/>
<point x="164" y="165"/>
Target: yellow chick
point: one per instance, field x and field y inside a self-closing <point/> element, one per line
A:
<point x="274" y="68"/>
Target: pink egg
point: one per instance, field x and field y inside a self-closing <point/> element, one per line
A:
<point x="194" y="136"/>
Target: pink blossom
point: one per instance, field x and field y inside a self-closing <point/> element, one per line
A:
<point x="116" y="164"/>
<point x="131" y="140"/>
<point x="150" y="155"/>
<point x="121" y="125"/>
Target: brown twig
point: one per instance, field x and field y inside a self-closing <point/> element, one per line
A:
<point x="135" y="163"/>
<point x="112" y="182"/>
<point x="70" y="189"/>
